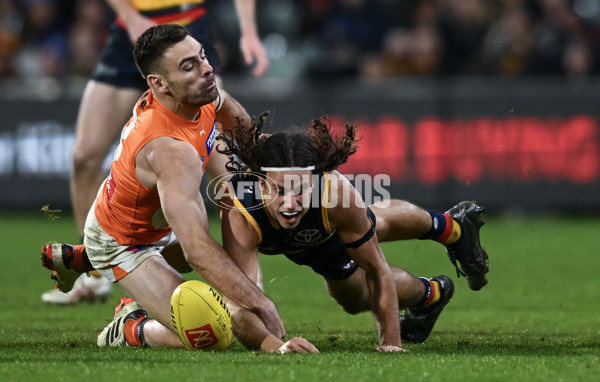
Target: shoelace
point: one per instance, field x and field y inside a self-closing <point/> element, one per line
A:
<point x="459" y="272"/>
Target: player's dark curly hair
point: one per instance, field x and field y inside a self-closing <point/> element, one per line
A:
<point x="316" y="146"/>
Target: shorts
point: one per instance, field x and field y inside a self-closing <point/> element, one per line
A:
<point x="330" y="259"/>
<point x="117" y="66"/>
<point x="115" y="261"/>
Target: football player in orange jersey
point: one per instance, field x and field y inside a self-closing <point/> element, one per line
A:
<point x="113" y="90"/>
<point x="151" y="200"/>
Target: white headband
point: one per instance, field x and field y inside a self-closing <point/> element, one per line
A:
<point x="308" y="168"/>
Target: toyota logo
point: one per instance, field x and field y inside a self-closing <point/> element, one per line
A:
<point x="307" y="236"/>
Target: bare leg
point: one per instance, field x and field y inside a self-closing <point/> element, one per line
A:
<point x="400" y="220"/>
<point x="151" y="285"/>
<point x="353" y="294"/>
<point x="103" y="112"/>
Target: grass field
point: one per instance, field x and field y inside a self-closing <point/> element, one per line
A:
<point x="538" y="320"/>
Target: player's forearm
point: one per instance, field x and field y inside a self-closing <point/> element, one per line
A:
<point x="246" y="12"/>
<point x="213" y="263"/>
<point x="187" y="217"/>
<point x="230" y="112"/>
<point x="384" y="304"/>
<point x="251" y="332"/>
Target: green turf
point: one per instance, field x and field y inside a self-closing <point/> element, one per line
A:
<point x="538" y="320"/>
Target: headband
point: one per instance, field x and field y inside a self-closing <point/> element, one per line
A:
<point x="308" y="168"/>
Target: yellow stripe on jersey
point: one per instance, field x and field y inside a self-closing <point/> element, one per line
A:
<point x="324" y="203"/>
<point x="249" y="217"/>
<point x="153" y="5"/>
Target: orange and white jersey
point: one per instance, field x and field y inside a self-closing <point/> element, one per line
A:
<point x="126" y="209"/>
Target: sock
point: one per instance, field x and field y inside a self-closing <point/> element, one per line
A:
<point x="77" y="259"/>
<point x="134" y="332"/>
<point x="432" y="293"/>
<point x="444" y="229"/>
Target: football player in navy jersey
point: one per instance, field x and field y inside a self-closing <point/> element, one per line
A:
<point x="303" y="208"/>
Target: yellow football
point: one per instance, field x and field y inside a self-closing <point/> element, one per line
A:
<point x="201" y="317"/>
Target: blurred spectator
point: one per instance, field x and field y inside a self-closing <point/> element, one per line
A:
<point x="375" y="39"/>
<point x="508" y="43"/>
<point x="351" y="30"/>
<point x="87" y="35"/>
<point x="12" y="23"/>
<point x="462" y="24"/>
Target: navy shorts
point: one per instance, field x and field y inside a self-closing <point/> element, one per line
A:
<point x="117" y="66"/>
<point x="330" y="259"/>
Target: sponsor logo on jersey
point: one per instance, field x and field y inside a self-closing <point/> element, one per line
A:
<point x="212" y="137"/>
<point x="307" y="237"/>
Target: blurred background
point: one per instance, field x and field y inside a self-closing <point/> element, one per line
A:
<point x="492" y="100"/>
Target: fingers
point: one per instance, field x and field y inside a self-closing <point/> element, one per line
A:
<point x="297" y="345"/>
<point x="253" y="51"/>
<point x="391" y="349"/>
<point x="262" y="64"/>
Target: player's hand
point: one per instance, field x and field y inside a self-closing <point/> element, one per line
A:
<point x="253" y="51"/>
<point x="390" y="349"/>
<point x="271" y="319"/>
<point x="297" y="345"/>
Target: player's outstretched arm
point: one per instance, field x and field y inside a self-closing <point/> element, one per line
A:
<point x="174" y="168"/>
<point x="349" y="218"/>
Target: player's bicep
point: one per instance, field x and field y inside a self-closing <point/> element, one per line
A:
<point x="357" y="231"/>
<point x="178" y="172"/>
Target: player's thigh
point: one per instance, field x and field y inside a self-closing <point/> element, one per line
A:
<point x="103" y="112"/>
<point x="152" y="284"/>
<point x="351" y="293"/>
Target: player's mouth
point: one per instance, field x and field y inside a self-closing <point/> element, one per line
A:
<point x="291" y="216"/>
<point x="211" y="83"/>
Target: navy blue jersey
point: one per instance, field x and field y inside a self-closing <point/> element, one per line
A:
<point x="312" y="242"/>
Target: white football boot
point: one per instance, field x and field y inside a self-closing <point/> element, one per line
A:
<point x="113" y="334"/>
<point x="86" y="288"/>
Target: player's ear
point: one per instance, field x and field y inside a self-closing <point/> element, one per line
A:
<point x="156" y="83"/>
<point x="262" y="183"/>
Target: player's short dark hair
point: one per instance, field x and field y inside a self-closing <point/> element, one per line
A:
<point x="153" y="43"/>
<point x="315" y="146"/>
